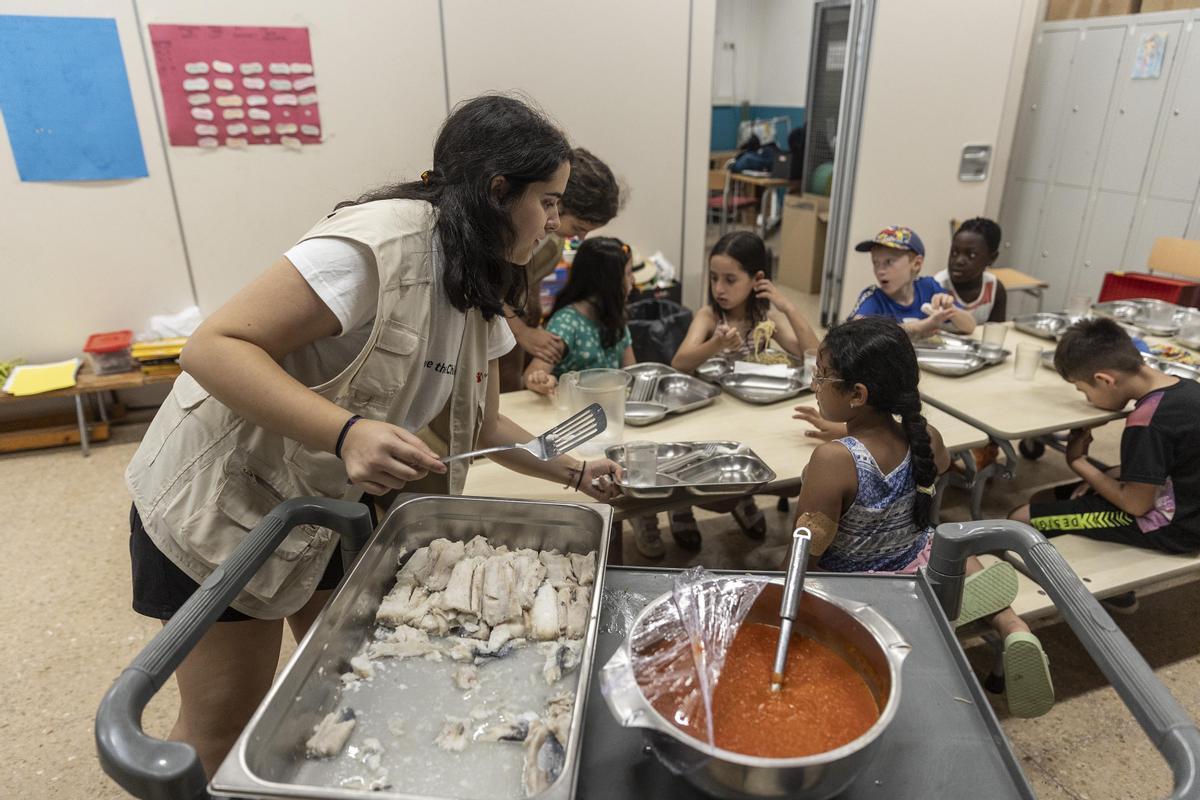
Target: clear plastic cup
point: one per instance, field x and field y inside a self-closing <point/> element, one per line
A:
<point x="1079" y="306"/>
<point x="994" y="333"/>
<point x="1025" y="365"/>
<point x="810" y="363"/>
<point x="641" y="463"/>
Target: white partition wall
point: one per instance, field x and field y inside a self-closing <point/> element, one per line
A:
<point x="79" y="257"/>
<point x="914" y="126"/>
<point x="378" y="65"/>
<point x="613" y="74"/>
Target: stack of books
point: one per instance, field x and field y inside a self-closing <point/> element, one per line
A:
<point x="160" y="356"/>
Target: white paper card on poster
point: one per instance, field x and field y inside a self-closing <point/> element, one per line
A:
<point x="308" y="99"/>
<point x="301" y="84"/>
<point x="207" y="141"/>
<point x="233" y="113"/>
<point x="310" y="130"/>
<point x="196" y="68"/>
<point x="204" y="129"/>
<point x="258" y="113"/>
<point x="254" y="83"/>
<point x="229" y="100"/>
<point x="195" y="84"/>
<point x="203" y="114"/>
<point x="260" y="130"/>
<point x="301" y="69"/>
<point x="251" y="68"/>
<point x="256" y="100"/>
<point x="237" y="129"/>
<point x="236" y="144"/>
<point x="199" y="99"/>
<point x="224" y="67"/>
<point x="223" y="84"/>
<point x="284" y="99"/>
<point x="290" y="142"/>
<point x="279" y="69"/>
<point x="286" y="127"/>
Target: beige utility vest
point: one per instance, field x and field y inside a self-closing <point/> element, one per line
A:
<point x="203" y="476"/>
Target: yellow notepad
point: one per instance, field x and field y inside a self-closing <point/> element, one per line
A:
<point x="37" y="378"/>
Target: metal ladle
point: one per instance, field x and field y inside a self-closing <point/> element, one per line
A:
<point x="793" y="590"/>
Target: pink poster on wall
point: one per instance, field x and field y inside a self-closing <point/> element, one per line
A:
<point x="236" y="86"/>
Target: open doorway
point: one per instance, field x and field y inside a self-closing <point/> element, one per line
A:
<point x="778" y="69"/>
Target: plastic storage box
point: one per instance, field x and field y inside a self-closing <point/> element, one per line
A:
<point x="1143" y="285"/>
<point x="109" y="352"/>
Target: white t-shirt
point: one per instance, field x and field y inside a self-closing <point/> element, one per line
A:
<point x="981" y="308"/>
<point x="342" y="272"/>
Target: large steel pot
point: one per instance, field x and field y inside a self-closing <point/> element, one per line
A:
<point x="856" y="631"/>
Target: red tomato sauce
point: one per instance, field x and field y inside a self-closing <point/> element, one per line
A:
<point x="824" y="702"/>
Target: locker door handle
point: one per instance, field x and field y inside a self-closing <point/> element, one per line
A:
<point x="1044" y="254"/>
<point x="1087" y="263"/>
<point x="1074" y="109"/>
<point x="1176" y="112"/>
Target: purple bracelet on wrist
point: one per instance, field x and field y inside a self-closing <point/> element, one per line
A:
<point x="337" y="449"/>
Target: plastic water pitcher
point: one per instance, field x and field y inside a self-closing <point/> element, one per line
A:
<point x="608" y="387"/>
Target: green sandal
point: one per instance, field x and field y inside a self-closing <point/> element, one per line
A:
<point x="1027" y="684"/>
<point x="992" y="589"/>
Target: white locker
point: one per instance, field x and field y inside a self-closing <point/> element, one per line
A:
<point x="1137" y="107"/>
<point x="1058" y="240"/>
<point x="1093" y="74"/>
<point x="1103" y="247"/>
<point x="1157" y="218"/>
<point x="1177" y="170"/>
<point x="1042" y="104"/>
<point x="1019" y="218"/>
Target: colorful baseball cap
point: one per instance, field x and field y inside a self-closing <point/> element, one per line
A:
<point x="896" y="237"/>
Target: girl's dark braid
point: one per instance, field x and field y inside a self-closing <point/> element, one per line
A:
<point x="916" y="430"/>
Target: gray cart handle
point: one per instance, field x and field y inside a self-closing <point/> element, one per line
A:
<point x="1162" y="718"/>
<point x="153" y="768"/>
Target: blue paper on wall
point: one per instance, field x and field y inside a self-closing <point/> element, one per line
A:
<point x="66" y="101"/>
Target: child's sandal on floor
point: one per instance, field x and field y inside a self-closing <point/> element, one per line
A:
<point x="750" y="519"/>
<point x="992" y="589"/>
<point x="1027" y="685"/>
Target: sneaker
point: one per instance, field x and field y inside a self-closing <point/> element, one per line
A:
<point x="1027" y="685"/>
<point x="750" y="518"/>
<point x="992" y="589"/>
<point x="647" y="538"/>
<point x="684" y="530"/>
<point x="1125" y="604"/>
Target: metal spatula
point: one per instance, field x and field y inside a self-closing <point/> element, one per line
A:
<point x="562" y="438"/>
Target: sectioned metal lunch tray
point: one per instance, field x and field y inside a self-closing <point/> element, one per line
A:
<point x="952" y="363"/>
<point x="1046" y="324"/>
<point x="764" y="389"/>
<point x="721" y="468"/>
<point x="658" y="390"/>
<point x="1156" y="317"/>
<point x="268" y="759"/>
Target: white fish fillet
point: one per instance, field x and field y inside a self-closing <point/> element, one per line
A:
<point x="403" y="642"/>
<point x="584" y="567"/>
<point x="453" y="737"/>
<point x="466" y="677"/>
<point x="479" y="547"/>
<point x="458" y="590"/>
<point x="330" y="734"/>
<point x="530" y="572"/>
<point x="443" y="555"/>
<point x="544" y="625"/>
<point x="558" y="569"/>
<point x="499" y="602"/>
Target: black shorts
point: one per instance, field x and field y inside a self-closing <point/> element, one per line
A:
<point x="160" y="588"/>
<point x="1092" y="516"/>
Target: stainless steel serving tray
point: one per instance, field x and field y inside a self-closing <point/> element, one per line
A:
<point x="955" y="356"/>
<point x="731" y="468"/>
<point x="666" y="391"/>
<point x="764" y="389"/>
<point x="1172" y="367"/>
<point x="268" y="759"/>
<point x="1045" y="324"/>
<point x="1149" y="316"/>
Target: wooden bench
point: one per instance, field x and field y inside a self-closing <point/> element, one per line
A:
<point x="87" y="385"/>
<point x="1106" y="569"/>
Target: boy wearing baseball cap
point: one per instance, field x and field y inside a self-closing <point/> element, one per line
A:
<point x="919" y="304"/>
